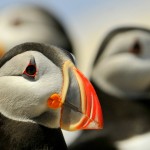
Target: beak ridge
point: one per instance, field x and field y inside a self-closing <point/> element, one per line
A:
<point x="92" y="109"/>
<point x="89" y="114"/>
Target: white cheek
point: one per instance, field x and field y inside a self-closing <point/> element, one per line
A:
<point x="16" y="100"/>
<point x="123" y="74"/>
<point x="16" y="65"/>
<point x="21" y="98"/>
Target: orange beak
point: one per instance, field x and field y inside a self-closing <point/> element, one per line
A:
<point x="80" y="106"/>
<point x="1" y="51"/>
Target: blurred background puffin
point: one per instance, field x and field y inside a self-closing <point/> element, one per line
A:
<point x="24" y="23"/>
<point x="121" y="78"/>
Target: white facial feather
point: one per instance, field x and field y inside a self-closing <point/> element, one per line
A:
<point x="23" y="99"/>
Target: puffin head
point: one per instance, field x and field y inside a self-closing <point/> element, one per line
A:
<point x="29" y="23"/>
<point x="122" y="67"/>
<point x="39" y="83"/>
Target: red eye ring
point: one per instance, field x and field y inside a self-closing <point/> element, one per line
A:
<point x="30" y="70"/>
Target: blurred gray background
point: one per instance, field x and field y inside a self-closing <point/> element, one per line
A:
<point x="88" y="21"/>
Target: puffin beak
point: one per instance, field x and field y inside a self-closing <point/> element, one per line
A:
<point x="80" y="105"/>
<point x="2" y="51"/>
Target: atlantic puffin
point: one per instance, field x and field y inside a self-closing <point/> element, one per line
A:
<point x="121" y="79"/>
<point x="31" y="23"/>
<point x="42" y="91"/>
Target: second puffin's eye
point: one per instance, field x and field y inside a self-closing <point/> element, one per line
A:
<point x="136" y="48"/>
<point x="17" y="22"/>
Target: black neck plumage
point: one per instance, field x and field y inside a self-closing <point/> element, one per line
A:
<point x="29" y="136"/>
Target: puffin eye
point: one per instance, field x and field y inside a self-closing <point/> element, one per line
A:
<point x="30" y="70"/>
<point x="16" y="22"/>
<point x="136" y="48"/>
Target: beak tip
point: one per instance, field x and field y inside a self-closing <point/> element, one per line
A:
<point x="94" y="126"/>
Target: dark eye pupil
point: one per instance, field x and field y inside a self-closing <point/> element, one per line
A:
<point x="31" y="70"/>
<point x="136" y="48"/>
<point x="16" y="22"/>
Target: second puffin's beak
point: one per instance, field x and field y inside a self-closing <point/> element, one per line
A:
<point x="2" y="51"/>
<point x="80" y="107"/>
